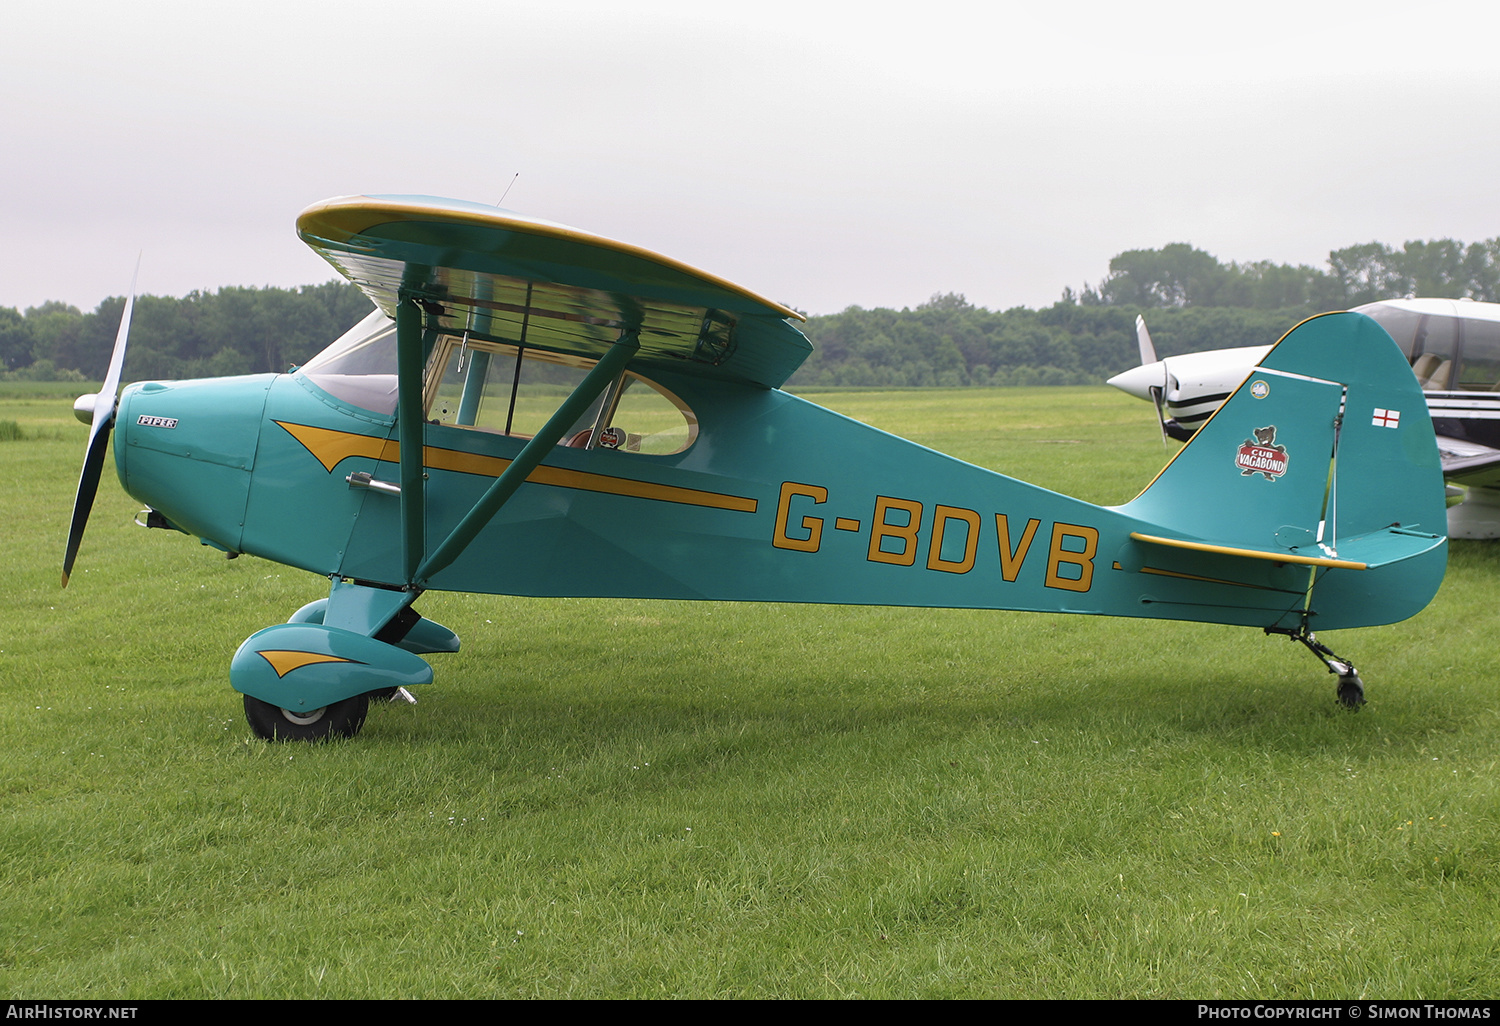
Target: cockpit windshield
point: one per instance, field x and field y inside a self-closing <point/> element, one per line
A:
<point x="360" y="367"/>
<point x="502" y="388"/>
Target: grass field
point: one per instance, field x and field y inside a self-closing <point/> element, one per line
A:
<point x="640" y="799"/>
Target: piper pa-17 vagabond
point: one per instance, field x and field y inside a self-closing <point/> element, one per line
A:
<point x="535" y="410"/>
<point x="1453" y="347"/>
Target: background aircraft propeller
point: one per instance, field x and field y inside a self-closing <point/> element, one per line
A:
<point x="97" y="410"/>
<point x="1143" y="341"/>
<point x="1148" y="356"/>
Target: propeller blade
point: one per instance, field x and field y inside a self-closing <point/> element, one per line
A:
<point x="103" y="410"/>
<point x="1143" y="341"/>
<point x="1161" y="415"/>
<point x="117" y="357"/>
<point x="83" y="502"/>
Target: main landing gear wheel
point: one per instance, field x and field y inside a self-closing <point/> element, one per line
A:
<point x="341" y="719"/>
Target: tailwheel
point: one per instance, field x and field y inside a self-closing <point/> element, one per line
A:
<point x="339" y="719"/>
<point x="1351" y="691"/>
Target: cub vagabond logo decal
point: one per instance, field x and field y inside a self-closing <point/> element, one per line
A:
<point x="1261" y="455"/>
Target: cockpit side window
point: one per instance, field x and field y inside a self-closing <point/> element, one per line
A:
<point x="1429" y="341"/>
<point x="1479" y="369"/>
<point x="514" y="391"/>
<point x="1404" y="326"/>
<point x="1434" y="347"/>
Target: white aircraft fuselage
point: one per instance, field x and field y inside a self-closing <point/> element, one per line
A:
<point x="1453" y="347"/>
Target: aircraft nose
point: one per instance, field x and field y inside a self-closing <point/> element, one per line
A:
<point x="187" y="449"/>
<point x="1138" y="381"/>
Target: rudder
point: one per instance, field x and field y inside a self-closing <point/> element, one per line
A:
<point x="1326" y="450"/>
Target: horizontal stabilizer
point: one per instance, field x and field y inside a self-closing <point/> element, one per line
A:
<point x="1365" y="552"/>
<point x="1392" y="545"/>
<point x="1227" y="550"/>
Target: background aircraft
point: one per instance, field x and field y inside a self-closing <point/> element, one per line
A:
<point x="536" y="410"/>
<point x="1453" y="347"/>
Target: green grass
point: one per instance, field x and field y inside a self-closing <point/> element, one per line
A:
<point x="68" y="390"/>
<point x="604" y="798"/>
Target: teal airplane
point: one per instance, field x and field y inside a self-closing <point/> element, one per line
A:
<point x="536" y="410"/>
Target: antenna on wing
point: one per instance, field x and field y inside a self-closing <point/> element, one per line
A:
<point x="507" y="189"/>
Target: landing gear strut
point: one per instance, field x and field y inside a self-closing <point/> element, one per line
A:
<point x="1351" y="690"/>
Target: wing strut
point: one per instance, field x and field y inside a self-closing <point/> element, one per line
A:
<point x="411" y="431"/>
<point x="589" y="389"/>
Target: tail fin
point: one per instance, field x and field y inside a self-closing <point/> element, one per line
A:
<point x="1324" y="455"/>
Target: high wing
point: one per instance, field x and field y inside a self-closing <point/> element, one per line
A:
<point x="503" y="276"/>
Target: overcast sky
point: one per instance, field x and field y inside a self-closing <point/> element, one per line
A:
<point x="822" y="154"/>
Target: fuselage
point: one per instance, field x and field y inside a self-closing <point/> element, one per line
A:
<point x="756" y="495"/>
<point x="777" y="499"/>
<point x="1191" y="385"/>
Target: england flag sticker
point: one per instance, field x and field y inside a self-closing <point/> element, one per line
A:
<point x="1386" y="418"/>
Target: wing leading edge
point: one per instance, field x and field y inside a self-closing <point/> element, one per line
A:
<point x="502" y="276"/>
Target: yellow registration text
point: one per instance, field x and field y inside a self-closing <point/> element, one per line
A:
<point x="948" y="540"/>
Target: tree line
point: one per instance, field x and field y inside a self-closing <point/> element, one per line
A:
<point x="235" y="330"/>
<point x="1179" y="275"/>
<point x="1191" y="301"/>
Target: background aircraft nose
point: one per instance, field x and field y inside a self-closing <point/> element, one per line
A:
<point x="1138" y="381"/>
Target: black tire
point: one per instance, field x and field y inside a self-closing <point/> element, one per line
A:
<point x="1351" y="692"/>
<point x="341" y="719"/>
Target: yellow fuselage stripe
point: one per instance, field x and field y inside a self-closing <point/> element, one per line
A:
<point x="331" y="447"/>
<point x="1209" y="580"/>
<point x="284" y="661"/>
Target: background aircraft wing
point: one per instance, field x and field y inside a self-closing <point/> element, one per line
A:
<point x="506" y="277"/>
<point x="1469" y="463"/>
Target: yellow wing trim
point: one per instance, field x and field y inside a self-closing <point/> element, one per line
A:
<point x="1226" y="550"/>
<point x="331" y="447"/>
<point x="346" y="217"/>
